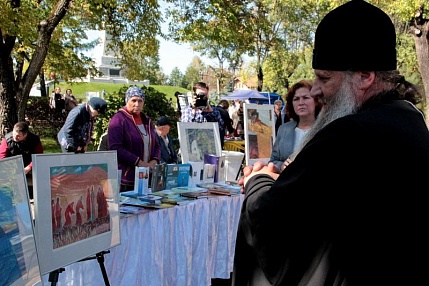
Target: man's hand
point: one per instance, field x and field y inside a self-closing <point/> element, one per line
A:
<point x="258" y="168"/>
<point x="27" y="170"/>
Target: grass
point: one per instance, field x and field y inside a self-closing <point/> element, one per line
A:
<point x="50" y="145"/>
<point x="81" y="88"/>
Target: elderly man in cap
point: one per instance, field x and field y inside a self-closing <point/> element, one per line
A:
<point x="168" y="153"/>
<point x="76" y="132"/>
<point x="132" y="134"/>
<point x="349" y="210"/>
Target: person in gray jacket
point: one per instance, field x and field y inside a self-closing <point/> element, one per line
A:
<point x="303" y="109"/>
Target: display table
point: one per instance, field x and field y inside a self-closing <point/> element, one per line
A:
<point x="182" y="245"/>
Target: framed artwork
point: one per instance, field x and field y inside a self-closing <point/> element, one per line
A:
<point x="259" y="132"/>
<point x="19" y="263"/>
<point x="76" y="206"/>
<point x="197" y="139"/>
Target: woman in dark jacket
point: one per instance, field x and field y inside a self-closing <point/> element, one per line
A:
<point x="132" y="134"/>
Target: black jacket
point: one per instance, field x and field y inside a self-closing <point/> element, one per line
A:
<point x="350" y="210"/>
<point x="165" y="155"/>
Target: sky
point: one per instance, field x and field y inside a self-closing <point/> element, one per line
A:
<point x="171" y="55"/>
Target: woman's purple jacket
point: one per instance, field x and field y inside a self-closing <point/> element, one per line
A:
<point x="124" y="136"/>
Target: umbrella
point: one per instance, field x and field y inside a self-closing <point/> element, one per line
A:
<point x="243" y="94"/>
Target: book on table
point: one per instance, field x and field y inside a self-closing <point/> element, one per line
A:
<point x="197" y="172"/>
<point x="177" y="199"/>
<point x="129" y="201"/>
<point x="148" y="198"/>
<point x="131" y="194"/>
<point x="178" y="190"/>
<point x="177" y="175"/>
<point x="219" y="162"/>
<point x="197" y="195"/>
<point x="158" y="206"/>
<point x="158" y="178"/>
<point x="221" y="188"/>
<point x="151" y="198"/>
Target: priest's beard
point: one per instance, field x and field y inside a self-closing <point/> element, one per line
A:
<point x="339" y="105"/>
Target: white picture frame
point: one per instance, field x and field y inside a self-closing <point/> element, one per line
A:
<point x="19" y="258"/>
<point x="259" y="132"/>
<point x="197" y="139"/>
<point x="86" y="219"/>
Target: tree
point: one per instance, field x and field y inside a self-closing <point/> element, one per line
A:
<point x="176" y="77"/>
<point x="53" y="30"/>
<point x="192" y="73"/>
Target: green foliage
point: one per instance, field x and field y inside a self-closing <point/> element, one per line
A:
<point x="176" y="77"/>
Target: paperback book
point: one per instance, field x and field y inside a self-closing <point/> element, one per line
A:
<point x="177" y="175"/>
<point x="158" y="178"/>
<point x="219" y="162"/>
<point x="197" y="171"/>
<point x="196" y="195"/>
<point x="177" y="199"/>
<point x="153" y="199"/>
<point x="208" y="173"/>
<point x="141" y="180"/>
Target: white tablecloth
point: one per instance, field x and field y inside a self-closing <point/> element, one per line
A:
<point x="183" y="245"/>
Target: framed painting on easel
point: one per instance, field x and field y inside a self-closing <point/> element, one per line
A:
<point x="197" y="139"/>
<point x="259" y="132"/>
<point x="19" y="263"/>
<point x="76" y="206"/>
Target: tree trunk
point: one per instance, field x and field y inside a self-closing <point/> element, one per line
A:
<point x="260" y="78"/>
<point x="420" y="32"/>
<point x="8" y="106"/>
<point x="14" y="91"/>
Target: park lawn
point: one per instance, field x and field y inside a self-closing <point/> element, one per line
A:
<point x="81" y="88"/>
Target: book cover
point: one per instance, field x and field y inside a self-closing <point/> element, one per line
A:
<point x="186" y="189"/>
<point x="196" y="195"/>
<point x="171" y="175"/>
<point x="208" y="173"/>
<point x="133" y="202"/>
<point x="158" y="206"/>
<point x="177" y="199"/>
<point x="196" y="174"/>
<point x="130" y="194"/>
<point x="153" y="199"/>
<point x="141" y="180"/>
<point x="219" y="162"/>
<point x="183" y="175"/>
<point x="158" y="178"/>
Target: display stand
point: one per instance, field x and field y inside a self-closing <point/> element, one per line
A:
<point x="53" y="276"/>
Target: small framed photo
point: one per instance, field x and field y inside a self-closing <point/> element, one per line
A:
<point x="76" y="206"/>
<point x="19" y="263"/>
<point x="197" y="139"/>
<point x="259" y="132"/>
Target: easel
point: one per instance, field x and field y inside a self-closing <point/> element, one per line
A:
<point x="53" y="276"/>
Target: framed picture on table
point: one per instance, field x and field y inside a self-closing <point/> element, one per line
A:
<point x="76" y="206"/>
<point x="19" y="263"/>
<point x="259" y="132"/>
<point x="197" y="139"/>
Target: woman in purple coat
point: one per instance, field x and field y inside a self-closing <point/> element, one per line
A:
<point x="132" y="134"/>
